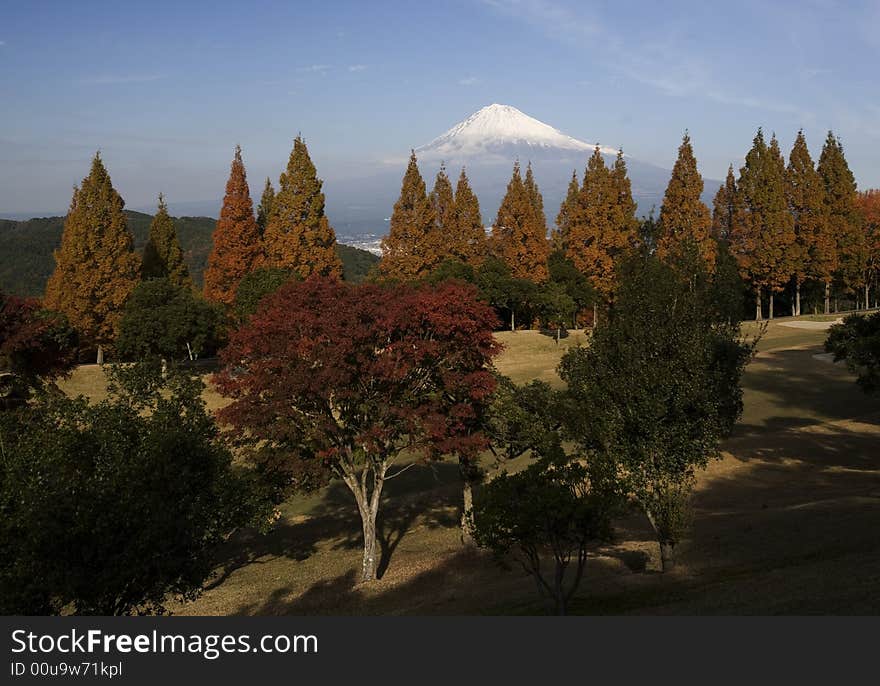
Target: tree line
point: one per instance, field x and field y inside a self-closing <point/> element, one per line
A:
<point x="100" y="284"/>
<point x="777" y="226"/>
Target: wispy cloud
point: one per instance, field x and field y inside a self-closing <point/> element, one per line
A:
<point x="2" y="43"/>
<point x="357" y="67"/>
<point x="468" y="81"/>
<point x="314" y="69"/>
<point x="662" y="63"/>
<point x="112" y="79"/>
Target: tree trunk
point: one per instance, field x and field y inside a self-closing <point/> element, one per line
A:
<point x="667" y="555"/>
<point x="758" y="314"/>
<point x="797" y="299"/>
<point x="100" y="359"/>
<point x="771" y="305"/>
<point x="827" y="298"/>
<point x="867" y="298"/>
<point x="558" y="333"/>
<point x="512" y="320"/>
<point x="368" y="507"/>
<point x="559" y="589"/>
<point x="467" y="497"/>
<point x="595" y="314"/>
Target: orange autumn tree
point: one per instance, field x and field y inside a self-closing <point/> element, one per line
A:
<point x="298" y="235"/>
<point x="805" y="194"/>
<point x="408" y="251"/>
<point x="603" y="226"/>
<point x="95" y="266"/>
<point x="684" y="217"/>
<point x="869" y="204"/>
<point x="237" y="247"/>
<point x="466" y="237"/>
<point x="519" y="236"/>
<point x="843" y="216"/>
<point x="726" y="206"/>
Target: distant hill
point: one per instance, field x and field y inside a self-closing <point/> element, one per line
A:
<point x="26" y="260"/>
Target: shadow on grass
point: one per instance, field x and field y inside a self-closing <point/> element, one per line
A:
<point x="428" y="494"/>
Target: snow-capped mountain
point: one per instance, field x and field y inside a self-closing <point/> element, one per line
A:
<point x="487" y="143"/>
<point x="495" y="128"/>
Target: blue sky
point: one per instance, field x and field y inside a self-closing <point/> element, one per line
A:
<point x="166" y="90"/>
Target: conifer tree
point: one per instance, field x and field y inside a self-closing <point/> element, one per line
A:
<point x="604" y="227"/>
<point x="95" y="267"/>
<point x="467" y="239"/>
<point x="519" y="237"/>
<point x="443" y="202"/>
<point x="725" y="207"/>
<point x="624" y="219"/>
<point x="264" y="209"/>
<point x="805" y="194"/>
<point x="298" y="234"/>
<point x="163" y="257"/>
<point x="869" y="206"/>
<point x="237" y="249"/>
<point x="684" y="217"/>
<point x="761" y="241"/>
<point x="407" y="252"/>
<point x="567" y="214"/>
<point x="843" y="216"/>
<point x="535" y="198"/>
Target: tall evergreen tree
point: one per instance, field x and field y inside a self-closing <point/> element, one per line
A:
<point x="535" y="198"/>
<point x="95" y="267"/>
<point x="762" y="240"/>
<point x="264" y="209"/>
<point x="603" y="228"/>
<point x="467" y="239"/>
<point x="519" y="237"/>
<point x="805" y="194"/>
<point x="869" y="205"/>
<point x="843" y="215"/>
<point x="567" y="214"/>
<point x="237" y="249"/>
<point x="725" y="207"/>
<point x="163" y="257"/>
<point x="684" y="217"/>
<point x="625" y="224"/>
<point x="443" y="202"/>
<point x="298" y="234"/>
<point x="407" y="252"/>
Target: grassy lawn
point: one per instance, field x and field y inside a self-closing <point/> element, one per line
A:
<point x="785" y="522"/>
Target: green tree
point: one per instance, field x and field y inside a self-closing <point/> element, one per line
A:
<point x="163" y="257"/>
<point x="112" y="508"/>
<point x="857" y="341"/>
<point x="657" y="389"/>
<point x="95" y="266"/>
<point x="256" y="286"/>
<point x="408" y="251"/>
<point x="546" y="517"/>
<point x="264" y="209"/>
<point x="164" y="320"/>
<point x="576" y="285"/>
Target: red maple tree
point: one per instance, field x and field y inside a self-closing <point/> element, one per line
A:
<point x="333" y="380"/>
